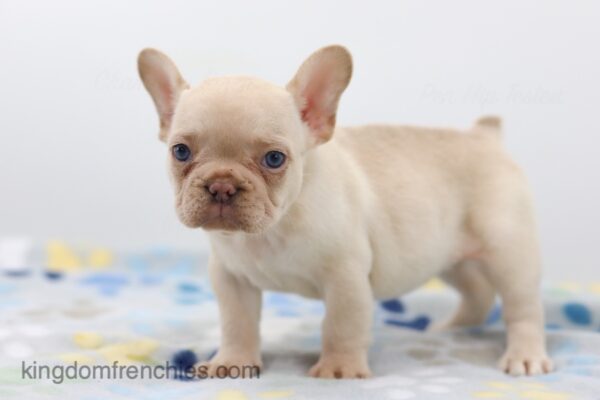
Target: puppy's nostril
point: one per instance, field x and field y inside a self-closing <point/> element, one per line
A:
<point x="221" y="191"/>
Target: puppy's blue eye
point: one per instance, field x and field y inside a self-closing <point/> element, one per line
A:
<point x="274" y="159"/>
<point x="181" y="152"/>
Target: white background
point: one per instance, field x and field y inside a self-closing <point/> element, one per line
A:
<point x="80" y="159"/>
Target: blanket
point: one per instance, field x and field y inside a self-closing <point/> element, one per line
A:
<point x="67" y="305"/>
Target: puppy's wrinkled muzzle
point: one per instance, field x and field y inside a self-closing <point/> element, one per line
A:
<point x="223" y="196"/>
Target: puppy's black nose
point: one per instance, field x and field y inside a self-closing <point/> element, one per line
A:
<point x="221" y="191"/>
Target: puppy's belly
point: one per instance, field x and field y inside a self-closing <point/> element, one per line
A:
<point x="392" y="281"/>
<point x="390" y="277"/>
<point x="400" y="266"/>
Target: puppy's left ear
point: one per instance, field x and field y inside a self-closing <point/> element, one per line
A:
<point x="317" y="88"/>
<point x="164" y="83"/>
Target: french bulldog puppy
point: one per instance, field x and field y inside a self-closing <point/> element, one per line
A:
<point x="293" y="203"/>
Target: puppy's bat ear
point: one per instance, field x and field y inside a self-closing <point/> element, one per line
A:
<point x="164" y="83"/>
<point x="317" y="88"/>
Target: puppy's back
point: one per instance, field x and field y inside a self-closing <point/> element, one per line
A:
<point x="434" y="172"/>
<point x="387" y="150"/>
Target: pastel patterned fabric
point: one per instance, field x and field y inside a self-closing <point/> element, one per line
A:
<point x="61" y="304"/>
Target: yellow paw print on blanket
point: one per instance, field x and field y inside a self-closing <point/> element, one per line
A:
<point x="139" y="350"/>
<point x="100" y="258"/>
<point x="520" y="390"/>
<point x="63" y="258"/>
<point x="129" y="352"/>
<point x="87" y="340"/>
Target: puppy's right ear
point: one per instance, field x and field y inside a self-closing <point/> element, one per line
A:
<point x="164" y="83"/>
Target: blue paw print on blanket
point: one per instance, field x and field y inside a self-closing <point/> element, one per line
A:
<point x="190" y="293"/>
<point x="578" y="314"/>
<point x="395" y="306"/>
<point x="107" y="283"/>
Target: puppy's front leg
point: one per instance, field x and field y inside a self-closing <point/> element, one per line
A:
<point x="347" y="325"/>
<point x="239" y="306"/>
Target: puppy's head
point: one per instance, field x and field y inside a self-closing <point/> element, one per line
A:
<point x="237" y="145"/>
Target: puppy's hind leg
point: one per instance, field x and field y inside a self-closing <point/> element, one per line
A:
<point x="511" y="273"/>
<point x="510" y="252"/>
<point x="477" y="295"/>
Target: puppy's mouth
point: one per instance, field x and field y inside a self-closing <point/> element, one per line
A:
<point x="220" y="216"/>
<point x="220" y="210"/>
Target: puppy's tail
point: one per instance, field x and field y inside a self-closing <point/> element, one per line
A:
<point x="489" y="125"/>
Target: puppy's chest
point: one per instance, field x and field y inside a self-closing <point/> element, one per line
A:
<point x="278" y="265"/>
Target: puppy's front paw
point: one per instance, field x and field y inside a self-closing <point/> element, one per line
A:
<point x="341" y="366"/>
<point x="525" y="362"/>
<point x="234" y="367"/>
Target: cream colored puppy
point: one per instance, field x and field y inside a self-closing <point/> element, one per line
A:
<point x="293" y="204"/>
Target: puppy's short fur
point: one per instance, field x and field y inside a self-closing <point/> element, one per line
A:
<point x="351" y="215"/>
